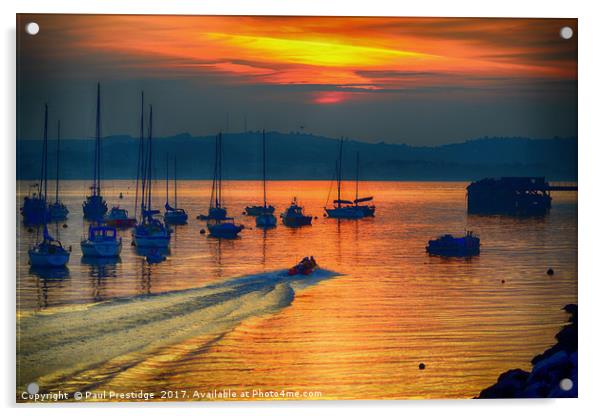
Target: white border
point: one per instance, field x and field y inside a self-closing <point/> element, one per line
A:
<point x="590" y="137"/>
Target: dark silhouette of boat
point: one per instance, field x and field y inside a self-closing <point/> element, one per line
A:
<point x="448" y="245"/>
<point x="95" y="207"/>
<point x="264" y="213"/>
<point x="293" y="216"/>
<point x="58" y="210"/>
<point x="346" y="209"/>
<point x="119" y="217"/>
<point x="173" y="215"/>
<point x="216" y="210"/>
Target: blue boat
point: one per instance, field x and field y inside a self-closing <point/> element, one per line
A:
<point x="95" y="207"/>
<point x="450" y="246"/>
<point x="102" y="241"/>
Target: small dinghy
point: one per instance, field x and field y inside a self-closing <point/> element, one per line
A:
<point x="120" y="218"/>
<point x="48" y="253"/>
<point x="304" y="267"/>
<point x="450" y="246"/>
<point x="102" y="241"/>
<point x="154" y="256"/>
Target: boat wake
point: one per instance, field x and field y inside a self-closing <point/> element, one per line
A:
<point x="58" y="346"/>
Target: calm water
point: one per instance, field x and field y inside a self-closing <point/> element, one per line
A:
<point x="356" y="333"/>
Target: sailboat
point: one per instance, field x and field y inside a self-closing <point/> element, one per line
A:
<point x="49" y="252"/>
<point x="266" y="218"/>
<point x="218" y="224"/>
<point x="264" y="210"/>
<point x="216" y="210"/>
<point x="173" y="215"/>
<point x="95" y="206"/>
<point x="342" y="208"/>
<point x="368" y="210"/>
<point x="34" y="209"/>
<point x="58" y="210"/>
<point x="150" y="232"/>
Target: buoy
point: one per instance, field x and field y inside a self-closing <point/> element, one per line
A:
<point x="202" y="231"/>
<point x="133" y="243"/>
<point x="503" y="281"/>
<point x="316" y="217"/>
<point x="65" y="225"/>
<point x="244" y="213"/>
<point x="550" y="271"/>
<point x="30" y="230"/>
<point x="421" y="366"/>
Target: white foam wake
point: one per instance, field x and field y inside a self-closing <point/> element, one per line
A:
<point x="55" y="344"/>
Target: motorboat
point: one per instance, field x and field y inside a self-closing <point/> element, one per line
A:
<point x="102" y="241"/>
<point x="450" y="246"/>
<point x="120" y="218"/>
<point x="293" y="216"/>
<point x="304" y="267"/>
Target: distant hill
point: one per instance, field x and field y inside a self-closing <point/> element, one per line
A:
<point x="305" y="156"/>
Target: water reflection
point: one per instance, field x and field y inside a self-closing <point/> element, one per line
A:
<point x="48" y="280"/>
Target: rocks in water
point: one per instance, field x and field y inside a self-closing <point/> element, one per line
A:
<point x="554" y="372"/>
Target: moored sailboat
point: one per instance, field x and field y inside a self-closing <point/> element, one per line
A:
<point x="58" y="210"/>
<point x="95" y="207"/>
<point x="150" y="231"/>
<point x="173" y="215"/>
<point x="342" y="209"/>
<point x="218" y="224"/>
<point x="49" y="252"/>
<point x="265" y="217"/>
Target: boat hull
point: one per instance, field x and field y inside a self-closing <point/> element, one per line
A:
<point x="226" y="230"/>
<point x="37" y="259"/>
<point x="351" y="213"/>
<point x="158" y="241"/>
<point x="101" y="249"/>
<point x="266" y="221"/>
<point x="177" y="218"/>
<point x="296" y="221"/>
<point x="121" y="223"/>
<point x="256" y="211"/>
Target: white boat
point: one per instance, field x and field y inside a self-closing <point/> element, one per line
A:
<point x="102" y="241"/>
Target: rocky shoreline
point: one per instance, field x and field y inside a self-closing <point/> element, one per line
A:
<point x="554" y="373"/>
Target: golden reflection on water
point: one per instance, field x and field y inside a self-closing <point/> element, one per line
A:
<point x="360" y="335"/>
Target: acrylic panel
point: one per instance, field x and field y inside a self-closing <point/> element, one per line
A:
<point x="234" y="208"/>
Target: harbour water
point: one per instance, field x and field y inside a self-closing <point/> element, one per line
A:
<point x="358" y="330"/>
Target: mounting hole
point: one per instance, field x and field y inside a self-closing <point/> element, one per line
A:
<point x="32" y="28"/>
<point x="566" y="384"/>
<point x="33" y="388"/>
<point x="566" y="32"/>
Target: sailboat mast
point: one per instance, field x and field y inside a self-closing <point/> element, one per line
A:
<point x="175" y="180"/>
<point x="58" y="152"/>
<point x="45" y="156"/>
<point x="140" y="158"/>
<point x="265" y="203"/>
<point x="219" y="182"/>
<point x="167" y="179"/>
<point x="357" y="175"/>
<point x="96" y="184"/>
<point x="150" y="158"/>
<point x="340" y="173"/>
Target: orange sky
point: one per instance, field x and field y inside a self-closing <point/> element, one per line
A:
<point x="374" y="75"/>
<point x="366" y="54"/>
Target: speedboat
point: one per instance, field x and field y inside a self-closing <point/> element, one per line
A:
<point x="450" y="246"/>
<point x="48" y="253"/>
<point x="102" y="241"/>
<point x="224" y="228"/>
<point x="293" y="216"/>
<point x="119" y="217"/>
<point x="304" y="267"/>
